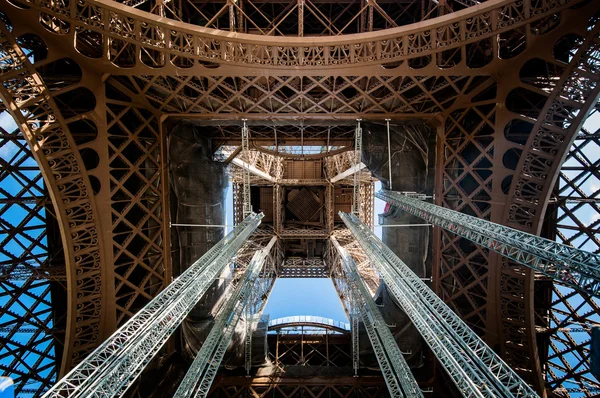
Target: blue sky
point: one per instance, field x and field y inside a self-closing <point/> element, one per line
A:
<point x="305" y="296"/>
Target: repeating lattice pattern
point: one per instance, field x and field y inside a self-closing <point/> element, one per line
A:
<point x="552" y="108"/>
<point x="153" y="42"/>
<point x="293" y="390"/>
<point x="137" y="186"/>
<point x="297" y="18"/>
<point x="467" y="187"/>
<point x="294" y="94"/>
<point x="28" y="352"/>
<point x="474" y="41"/>
<point x="35" y="107"/>
<point x="577" y="223"/>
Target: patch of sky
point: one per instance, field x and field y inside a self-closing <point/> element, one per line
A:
<point x="301" y="150"/>
<point x="304" y="296"/>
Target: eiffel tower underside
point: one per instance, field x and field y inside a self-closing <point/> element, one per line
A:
<point x="122" y="125"/>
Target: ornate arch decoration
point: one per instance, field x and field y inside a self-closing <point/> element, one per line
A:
<point x="29" y="100"/>
<point x="160" y="42"/>
<point x="569" y="102"/>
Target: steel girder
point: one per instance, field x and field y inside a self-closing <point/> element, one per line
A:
<point x="356" y="208"/>
<point x="299" y="17"/>
<point x="182" y="83"/>
<point x="53" y="143"/>
<point x="301" y="387"/>
<point x="473" y="366"/>
<point x="576" y="225"/>
<point x="246" y="205"/>
<point x="115" y="364"/>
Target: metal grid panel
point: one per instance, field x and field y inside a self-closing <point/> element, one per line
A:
<point x="578" y="217"/>
<point x="304" y="205"/>
<point x="28" y="352"/>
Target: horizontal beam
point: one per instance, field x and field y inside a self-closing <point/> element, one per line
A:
<point x="401" y="225"/>
<point x="239" y="162"/>
<point x="202" y="225"/>
<point x="281" y="379"/>
<point x="347" y="173"/>
<point x="291" y="119"/>
<point x="334" y="119"/>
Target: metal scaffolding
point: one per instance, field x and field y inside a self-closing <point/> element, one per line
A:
<point x="565" y="264"/>
<point x="201" y="374"/>
<point x="114" y="365"/>
<point x="396" y="372"/>
<point x="356" y="176"/>
<point x="247" y="205"/>
<point x="473" y="366"/>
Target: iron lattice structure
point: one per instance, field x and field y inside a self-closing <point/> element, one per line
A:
<point x="94" y="86"/>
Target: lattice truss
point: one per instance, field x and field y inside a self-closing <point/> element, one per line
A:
<point x="544" y="111"/>
<point x="136" y="181"/>
<point x="265" y="168"/>
<point x="363" y="264"/>
<point x="578" y="215"/>
<point x="310" y="349"/>
<point x="268" y="273"/>
<point x="269" y="138"/>
<point x="466" y="187"/>
<point x="27" y="265"/>
<point x="467" y="38"/>
<point x="34" y="105"/>
<point x="295" y="17"/>
<point x="338" y="164"/>
<point x="281" y="95"/>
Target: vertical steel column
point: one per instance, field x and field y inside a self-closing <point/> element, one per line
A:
<point x="114" y="365"/>
<point x="473" y="366"/>
<point x="565" y="264"/>
<point x="248" y="340"/>
<point x="231" y="15"/>
<point x="300" y="18"/>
